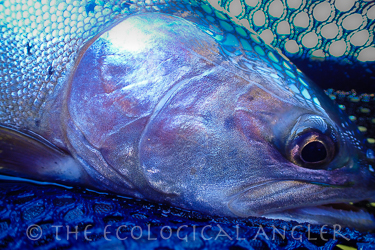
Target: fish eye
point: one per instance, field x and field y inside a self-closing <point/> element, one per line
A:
<point x="314" y="152"/>
<point x="311" y="149"/>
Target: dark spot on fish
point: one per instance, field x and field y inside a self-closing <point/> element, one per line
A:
<point x="37" y="123"/>
<point x="90" y="7"/>
<point x="229" y="123"/>
<point x="125" y="5"/>
<point x="50" y="70"/>
<point x="28" y="48"/>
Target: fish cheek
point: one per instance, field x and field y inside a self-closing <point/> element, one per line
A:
<point x="175" y="159"/>
<point x="195" y="162"/>
<point x="173" y="152"/>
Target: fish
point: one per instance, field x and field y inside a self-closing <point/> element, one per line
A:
<point x="157" y="101"/>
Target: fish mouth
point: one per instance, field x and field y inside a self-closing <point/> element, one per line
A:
<point x="304" y="202"/>
<point x="342" y="214"/>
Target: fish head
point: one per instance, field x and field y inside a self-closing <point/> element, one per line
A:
<point x="252" y="153"/>
<point x="207" y="126"/>
<point x="311" y="157"/>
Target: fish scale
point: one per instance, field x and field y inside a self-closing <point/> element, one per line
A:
<point x="41" y="40"/>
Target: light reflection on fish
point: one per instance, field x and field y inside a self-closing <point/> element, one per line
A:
<point x="154" y="101"/>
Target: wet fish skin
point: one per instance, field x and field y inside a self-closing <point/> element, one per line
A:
<point x="257" y="94"/>
<point x="167" y="134"/>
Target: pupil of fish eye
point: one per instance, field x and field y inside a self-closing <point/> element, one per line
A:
<point x="314" y="152"/>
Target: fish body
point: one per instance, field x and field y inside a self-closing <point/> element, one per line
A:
<point x="156" y="103"/>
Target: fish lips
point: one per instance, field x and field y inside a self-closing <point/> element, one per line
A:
<point x="302" y="201"/>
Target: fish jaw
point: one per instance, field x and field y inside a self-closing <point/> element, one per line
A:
<point x="275" y="196"/>
<point x="308" y="202"/>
